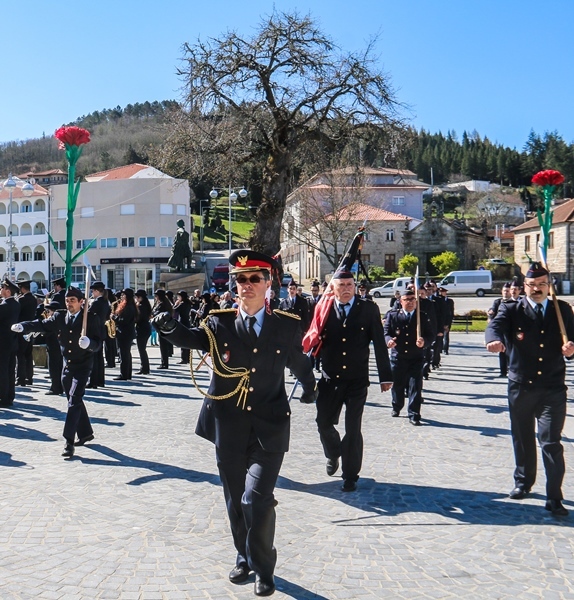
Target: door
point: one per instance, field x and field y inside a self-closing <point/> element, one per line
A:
<point x="390" y="263"/>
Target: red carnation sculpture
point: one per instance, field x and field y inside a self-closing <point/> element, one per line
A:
<point x="548" y="177"/>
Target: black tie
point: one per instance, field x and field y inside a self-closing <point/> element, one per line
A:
<point x="408" y="317"/>
<point x="539" y="315"/>
<point x="343" y="310"/>
<point x="251" y="329"/>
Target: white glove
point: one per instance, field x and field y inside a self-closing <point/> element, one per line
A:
<point x="17" y="327"/>
<point x="84" y="342"/>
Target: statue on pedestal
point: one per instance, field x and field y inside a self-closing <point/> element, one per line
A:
<point x="181" y="254"/>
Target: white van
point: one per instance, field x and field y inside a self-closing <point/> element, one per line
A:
<point x="388" y="290"/>
<point x="468" y="282"/>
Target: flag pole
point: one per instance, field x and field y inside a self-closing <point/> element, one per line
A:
<point x="418" y="303"/>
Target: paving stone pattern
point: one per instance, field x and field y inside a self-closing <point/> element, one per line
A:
<point x="139" y="512"/>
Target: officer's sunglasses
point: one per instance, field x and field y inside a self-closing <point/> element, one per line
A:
<point x="251" y="279"/>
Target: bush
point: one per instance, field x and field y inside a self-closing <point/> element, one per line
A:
<point x="408" y="264"/>
<point x="446" y="262"/>
<point x="377" y="273"/>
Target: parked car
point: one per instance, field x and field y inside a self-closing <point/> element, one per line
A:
<point x="497" y="261"/>
<point x="220" y="277"/>
<point x="388" y="290"/>
<point x="468" y="282"/>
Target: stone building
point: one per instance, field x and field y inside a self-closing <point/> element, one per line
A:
<point x="436" y="235"/>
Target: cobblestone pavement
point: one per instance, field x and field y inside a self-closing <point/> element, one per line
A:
<point x="139" y="512"/>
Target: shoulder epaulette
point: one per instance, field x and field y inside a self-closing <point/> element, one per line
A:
<point x="287" y="314"/>
<point x="220" y="311"/>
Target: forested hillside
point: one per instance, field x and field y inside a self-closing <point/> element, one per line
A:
<point x="135" y="133"/>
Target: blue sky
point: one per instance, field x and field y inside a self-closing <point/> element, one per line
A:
<point x="502" y="67"/>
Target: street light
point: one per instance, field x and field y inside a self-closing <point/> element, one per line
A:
<point x="27" y="190"/>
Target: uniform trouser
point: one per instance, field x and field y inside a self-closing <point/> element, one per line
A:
<point x="330" y="402"/>
<point x="111" y="351"/>
<point x="164" y="349"/>
<point x="125" y="350"/>
<point x="185" y="355"/>
<point x="427" y="361"/>
<point x="141" y="340"/>
<point x="98" y="377"/>
<point x="7" y="377"/>
<point x="446" y="340"/>
<point x="437" y="350"/>
<point x="77" y="420"/>
<point x="503" y="362"/>
<point x="547" y="405"/>
<point x="55" y="366"/>
<point x="407" y="376"/>
<point x="25" y="372"/>
<point x="248" y="479"/>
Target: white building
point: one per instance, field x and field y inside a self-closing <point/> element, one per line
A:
<point x="131" y="212"/>
<point x="29" y="218"/>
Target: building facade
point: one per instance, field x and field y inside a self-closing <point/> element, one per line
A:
<point x="129" y="216"/>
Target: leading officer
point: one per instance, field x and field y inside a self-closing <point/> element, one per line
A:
<point x="528" y="331"/>
<point x="246" y="413"/>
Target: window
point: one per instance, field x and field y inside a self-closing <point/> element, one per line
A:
<point x="128" y="209"/>
<point x="62" y="213"/>
<point x="87" y="212"/>
<point x="526" y="243"/>
<point x="128" y="242"/>
<point x="61" y="244"/>
<point x="26" y="208"/>
<point x="39" y="255"/>
<point x="390" y="235"/>
<point x="80" y="244"/>
<point x="2" y="258"/>
<point x="398" y="200"/>
<point x="142" y="279"/>
<point x="146" y="242"/>
<point x="180" y="209"/>
<point x="551" y="240"/>
<point x="108" y="242"/>
<point x="165" y="242"/>
<point x="166" y="209"/>
<point x="26" y="255"/>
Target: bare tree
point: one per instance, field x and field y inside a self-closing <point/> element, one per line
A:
<point x="258" y="100"/>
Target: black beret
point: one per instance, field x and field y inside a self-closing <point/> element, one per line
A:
<point x="536" y="270"/>
<point x="74" y="292"/>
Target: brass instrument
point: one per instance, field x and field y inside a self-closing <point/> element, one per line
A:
<point x="111" y="327"/>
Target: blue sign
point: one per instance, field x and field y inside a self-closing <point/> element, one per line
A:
<point x="212" y="290"/>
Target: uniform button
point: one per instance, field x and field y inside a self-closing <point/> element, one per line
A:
<point x="337" y="376"/>
<point x="540" y="359"/>
<point x="344" y="340"/>
<point x="288" y="414"/>
<point x="344" y="354"/>
<point x="530" y="382"/>
<point x="344" y="325"/>
<point x="539" y="373"/>
<point x="542" y="331"/>
<point x="249" y="408"/>
<point x="225" y="344"/>
<point x="250" y="389"/>
<point x="253" y="370"/>
<point x="542" y="345"/>
<point x="278" y="351"/>
<point x="69" y="351"/>
<point x="344" y="366"/>
<point x="254" y="350"/>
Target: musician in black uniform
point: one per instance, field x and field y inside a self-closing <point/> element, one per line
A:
<point x="59" y="293"/>
<point x="492" y="312"/>
<point x="78" y="353"/>
<point x="246" y="413"/>
<point x="363" y="291"/>
<point x="28" y="304"/>
<point x="350" y="327"/>
<point x="429" y="308"/>
<point x="528" y="330"/>
<point x="9" y="312"/>
<point x="440" y="309"/>
<point x="407" y="354"/>
<point x="297" y="305"/>
<point x="449" y="316"/>
<point x="100" y="306"/>
<point x="55" y="360"/>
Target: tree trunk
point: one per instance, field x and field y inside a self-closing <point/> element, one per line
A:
<point x="275" y="187"/>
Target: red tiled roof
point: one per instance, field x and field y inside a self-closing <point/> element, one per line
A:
<point x="124" y="172"/>
<point x="561" y="214"/>
<point x="360" y="212"/>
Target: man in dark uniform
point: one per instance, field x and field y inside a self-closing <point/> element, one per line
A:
<point x="101" y="307"/>
<point x="78" y="353"/>
<point x="55" y="360"/>
<point x="440" y="316"/>
<point x="312" y="302"/>
<point x="350" y="328"/>
<point x="449" y="316"/>
<point x="363" y="291"/>
<point x="297" y="305"/>
<point x="9" y="312"/>
<point x="246" y="413"/>
<point x="28" y="304"/>
<point x="492" y="312"/>
<point x="59" y="293"/>
<point x="407" y="354"/>
<point x="528" y="330"/>
<point x="428" y="307"/>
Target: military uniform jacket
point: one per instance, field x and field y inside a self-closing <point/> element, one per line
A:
<point x="534" y="352"/>
<point x="345" y="347"/>
<point x="9" y="314"/>
<point x="68" y="336"/>
<point x="440" y="309"/>
<point x="404" y="332"/>
<point x="228" y="423"/>
<point x="301" y="309"/>
<point x="101" y="307"/>
<point x="28" y="306"/>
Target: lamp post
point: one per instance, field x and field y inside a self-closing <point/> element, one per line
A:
<point x="232" y="197"/>
<point x="27" y="190"/>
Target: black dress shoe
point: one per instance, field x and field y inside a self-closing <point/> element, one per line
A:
<point x="414" y="421"/>
<point x="518" y="493"/>
<point x="395" y="413"/>
<point x="349" y="485"/>
<point x="6" y="404"/>
<point x="556" y="508"/>
<point x="120" y="378"/>
<point x="332" y="466"/>
<point x="264" y="586"/>
<point x="52" y="393"/>
<point x="239" y="573"/>
<point x="84" y="440"/>
<point x="68" y="451"/>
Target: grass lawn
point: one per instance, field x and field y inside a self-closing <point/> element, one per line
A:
<point x="475" y="326"/>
